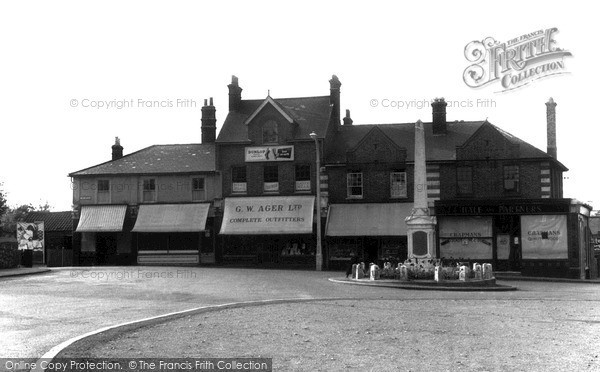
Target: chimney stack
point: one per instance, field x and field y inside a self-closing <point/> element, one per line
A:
<point x="334" y="98"/>
<point x="347" y="119"/>
<point x="117" y="149"/>
<point x="235" y="94"/>
<point x="209" y="122"/>
<point x="551" y="127"/>
<point x="438" y="107"/>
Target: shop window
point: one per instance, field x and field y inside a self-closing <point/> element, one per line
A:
<point x="198" y="189"/>
<point x="354" y="184"/>
<point x="269" y="132"/>
<point x="464" y="180"/>
<point x="103" y="191"/>
<point x="271" y="178"/>
<point x="398" y="185"/>
<point x="238" y="178"/>
<point x="511" y="178"/>
<point x="303" y="177"/>
<point x="149" y="190"/>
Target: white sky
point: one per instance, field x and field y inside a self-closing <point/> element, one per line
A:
<point x="53" y="52"/>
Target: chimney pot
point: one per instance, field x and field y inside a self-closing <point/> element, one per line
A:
<point x="209" y="122"/>
<point x="438" y="107"/>
<point x="235" y="94"/>
<point x="117" y="149"/>
<point x="334" y="98"/>
<point x="348" y="120"/>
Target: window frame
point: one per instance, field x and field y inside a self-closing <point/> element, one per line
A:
<point x="194" y="189"/>
<point x="405" y="194"/>
<point x="270" y="178"/>
<point x="104" y="193"/>
<point x="302" y="177"/>
<point x="350" y="186"/>
<point x="153" y="190"/>
<point x="236" y="179"/>
<point x="508" y="175"/>
<point x="460" y="180"/>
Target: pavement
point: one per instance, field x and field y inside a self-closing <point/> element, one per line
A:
<point x="38" y="312"/>
<point x="5" y="273"/>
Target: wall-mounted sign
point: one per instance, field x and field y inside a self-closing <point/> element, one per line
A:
<point x="85" y="198"/>
<point x="269" y="153"/>
<point x="268" y="215"/>
<point x="544" y="237"/>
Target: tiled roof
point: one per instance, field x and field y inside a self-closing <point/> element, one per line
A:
<point x="438" y="147"/>
<point x="53" y="221"/>
<point x="310" y="113"/>
<point x="157" y="159"/>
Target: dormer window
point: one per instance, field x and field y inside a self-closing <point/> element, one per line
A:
<point x="269" y="131"/>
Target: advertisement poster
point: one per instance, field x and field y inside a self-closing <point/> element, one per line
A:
<point x="466" y="237"/>
<point x="544" y="237"/>
<point x="30" y="235"/>
<point x="270" y="153"/>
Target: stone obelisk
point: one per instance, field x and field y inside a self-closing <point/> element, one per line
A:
<point x="420" y="224"/>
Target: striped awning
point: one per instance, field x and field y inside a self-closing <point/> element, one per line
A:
<point x="368" y="219"/>
<point x="172" y="218"/>
<point x="101" y="218"/>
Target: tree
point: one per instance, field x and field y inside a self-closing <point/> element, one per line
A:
<point x="3" y="202"/>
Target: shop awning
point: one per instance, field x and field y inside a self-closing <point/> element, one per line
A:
<point x="268" y="215"/>
<point x="101" y="218"/>
<point x="172" y="218"/>
<point x="368" y="219"/>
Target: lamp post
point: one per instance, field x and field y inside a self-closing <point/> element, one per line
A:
<point x="319" y="258"/>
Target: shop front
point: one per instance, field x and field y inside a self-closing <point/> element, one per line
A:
<point x="273" y="231"/>
<point x="543" y="237"/>
<point x="373" y="232"/>
<point x="103" y="240"/>
<point x="172" y="234"/>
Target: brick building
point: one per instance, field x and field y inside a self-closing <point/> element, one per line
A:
<point x="153" y="206"/>
<point x="267" y="159"/>
<point x="490" y="192"/>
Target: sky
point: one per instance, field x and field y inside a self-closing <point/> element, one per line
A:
<point x="62" y="60"/>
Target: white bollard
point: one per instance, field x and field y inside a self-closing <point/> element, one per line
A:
<point x="487" y="271"/>
<point x="438" y="275"/>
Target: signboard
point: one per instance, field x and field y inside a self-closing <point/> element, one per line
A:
<point x="268" y="215"/>
<point x="269" y="153"/>
<point x="466" y="237"/>
<point x="30" y="235"/>
<point x="544" y="237"/>
<point x="502" y="209"/>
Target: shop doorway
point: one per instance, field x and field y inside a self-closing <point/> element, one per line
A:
<point x="371" y="249"/>
<point x="508" y="238"/>
<point x="106" y="249"/>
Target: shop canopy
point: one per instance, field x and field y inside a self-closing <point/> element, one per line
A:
<point x="101" y="218"/>
<point x="368" y="219"/>
<point x="172" y="218"/>
<point x="268" y="215"/>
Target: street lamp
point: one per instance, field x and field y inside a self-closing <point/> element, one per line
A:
<point x="319" y="258"/>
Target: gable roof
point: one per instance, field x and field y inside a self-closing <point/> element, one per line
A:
<point x="159" y="159"/>
<point x="262" y="105"/>
<point x="311" y="114"/>
<point x="437" y="147"/>
<point x="53" y="221"/>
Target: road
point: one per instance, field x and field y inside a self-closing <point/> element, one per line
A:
<point x="40" y="311"/>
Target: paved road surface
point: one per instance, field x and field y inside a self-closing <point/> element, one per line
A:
<point x="38" y="312"/>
